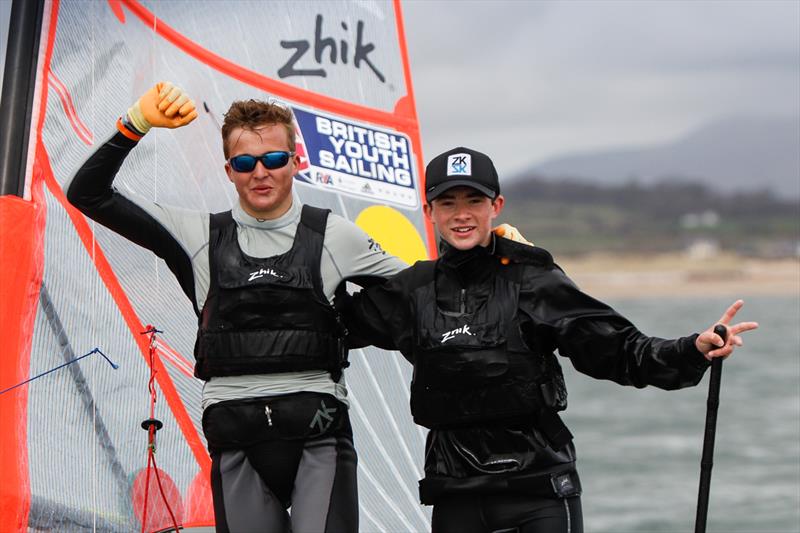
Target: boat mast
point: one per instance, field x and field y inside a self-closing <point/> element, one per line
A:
<point x="19" y="77"/>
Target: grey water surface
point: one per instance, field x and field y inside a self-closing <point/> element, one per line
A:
<point x="639" y="450"/>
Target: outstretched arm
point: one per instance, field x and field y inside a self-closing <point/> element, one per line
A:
<point x="379" y="315"/>
<point x="602" y="343"/>
<point x="711" y="345"/>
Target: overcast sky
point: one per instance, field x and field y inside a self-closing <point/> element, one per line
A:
<point x="527" y="80"/>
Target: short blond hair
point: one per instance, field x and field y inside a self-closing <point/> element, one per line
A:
<point x="253" y="114"/>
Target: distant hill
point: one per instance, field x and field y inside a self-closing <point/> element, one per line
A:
<point x="742" y="154"/>
<point x="568" y="216"/>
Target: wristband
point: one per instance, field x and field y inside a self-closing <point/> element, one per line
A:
<point x="127" y="130"/>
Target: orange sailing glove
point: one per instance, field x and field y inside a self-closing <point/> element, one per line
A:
<point x="508" y="231"/>
<point x="163" y="106"/>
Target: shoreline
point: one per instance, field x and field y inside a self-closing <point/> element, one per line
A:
<point x="678" y="275"/>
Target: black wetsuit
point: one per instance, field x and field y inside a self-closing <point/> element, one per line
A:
<point x="498" y="474"/>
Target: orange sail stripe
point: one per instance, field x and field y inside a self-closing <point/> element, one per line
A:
<point x="182" y="364"/>
<point x="410" y="110"/>
<point x="135" y="326"/>
<point x="69" y="109"/>
<point x="250" y="77"/>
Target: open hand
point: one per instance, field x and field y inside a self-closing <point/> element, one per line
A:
<point x="712" y="345"/>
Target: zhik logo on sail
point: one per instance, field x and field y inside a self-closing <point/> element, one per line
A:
<point x="328" y="47"/>
<point x="463" y="330"/>
<point x="261" y="272"/>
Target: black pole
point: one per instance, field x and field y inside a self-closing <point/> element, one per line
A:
<point x="707" y="461"/>
<point x="19" y="85"/>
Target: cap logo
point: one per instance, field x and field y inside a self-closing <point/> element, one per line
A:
<point x="459" y="165"/>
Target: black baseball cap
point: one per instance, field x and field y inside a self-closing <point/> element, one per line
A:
<point x="461" y="167"/>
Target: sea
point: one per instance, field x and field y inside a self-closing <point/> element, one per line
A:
<point x="639" y="449"/>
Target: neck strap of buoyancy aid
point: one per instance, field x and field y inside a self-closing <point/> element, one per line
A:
<point x="217" y="225"/>
<point x="311" y="234"/>
<point x="313" y="222"/>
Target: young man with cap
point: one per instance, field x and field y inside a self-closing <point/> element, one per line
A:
<point x="482" y="333"/>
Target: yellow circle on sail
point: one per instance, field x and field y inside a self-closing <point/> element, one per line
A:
<point x="394" y="232"/>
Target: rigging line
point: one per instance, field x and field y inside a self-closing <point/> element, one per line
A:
<point x="391" y="418"/>
<point x="390" y="462"/>
<point x="94" y="307"/>
<point x="155" y="174"/>
<point x="96" y="350"/>
<point x="152" y="425"/>
<point x="157" y="139"/>
<point x="152" y="458"/>
<point x="225" y="189"/>
<point x="95" y="289"/>
<point x="212" y="79"/>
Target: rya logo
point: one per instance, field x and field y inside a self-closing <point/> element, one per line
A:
<point x="463" y="330"/>
<point x="335" y="50"/>
<point x="260" y="273"/>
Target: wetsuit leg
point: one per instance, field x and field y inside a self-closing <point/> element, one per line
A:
<point x="506" y="513"/>
<point x="325" y="497"/>
<point x="460" y="513"/>
<point x="242" y="502"/>
<point x="555" y="516"/>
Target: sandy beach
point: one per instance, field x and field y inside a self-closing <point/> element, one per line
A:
<point x="678" y="275"/>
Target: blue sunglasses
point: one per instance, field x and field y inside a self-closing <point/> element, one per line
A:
<point x="270" y="160"/>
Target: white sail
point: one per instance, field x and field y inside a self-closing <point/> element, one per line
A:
<point x="342" y="68"/>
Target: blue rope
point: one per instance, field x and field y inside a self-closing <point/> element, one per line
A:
<point x="96" y="350"/>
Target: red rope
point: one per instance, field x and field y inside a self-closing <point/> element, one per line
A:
<point x="151" y="436"/>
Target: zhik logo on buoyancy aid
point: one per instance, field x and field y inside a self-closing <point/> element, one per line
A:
<point x="261" y="272"/>
<point x="463" y="330"/>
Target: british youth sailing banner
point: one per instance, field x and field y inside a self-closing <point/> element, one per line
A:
<point x="357" y="159"/>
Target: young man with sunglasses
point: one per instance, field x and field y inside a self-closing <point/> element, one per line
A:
<point x="270" y="345"/>
<point x="482" y="333"/>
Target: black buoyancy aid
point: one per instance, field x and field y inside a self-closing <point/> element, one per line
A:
<point x="474" y="367"/>
<point x="268" y="315"/>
